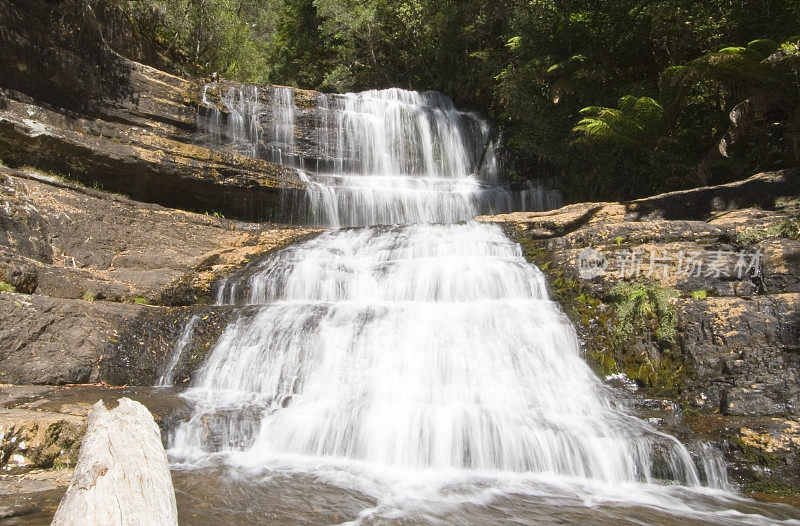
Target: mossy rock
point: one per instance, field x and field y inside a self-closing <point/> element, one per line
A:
<point x="60" y="446"/>
<point x="754" y="454"/>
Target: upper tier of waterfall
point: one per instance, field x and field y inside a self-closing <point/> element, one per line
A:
<point x="374" y="158"/>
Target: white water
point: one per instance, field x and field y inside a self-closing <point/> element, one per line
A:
<point x="422" y="364"/>
<point x="381" y="157"/>
<point x="185" y="338"/>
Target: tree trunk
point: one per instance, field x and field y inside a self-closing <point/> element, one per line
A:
<point x="122" y="475"/>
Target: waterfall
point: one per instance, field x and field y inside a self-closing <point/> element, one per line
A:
<point x="185" y="338"/>
<point x="283" y="113"/>
<point x="403" y="157"/>
<point x="241" y="123"/>
<point x="417" y="346"/>
<point x="421" y="343"/>
<point x="380" y="157"/>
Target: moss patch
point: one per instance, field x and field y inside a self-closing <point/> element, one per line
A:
<point x="60" y="446"/>
<point x="757" y="448"/>
<point x="773" y="487"/>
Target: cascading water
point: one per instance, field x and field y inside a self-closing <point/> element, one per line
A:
<point x="419" y="369"/>
<point x="375" y="158"/>
<point x="403" y="157"/>
<point x="166" y="379"/>
<point x="420" y="346"/>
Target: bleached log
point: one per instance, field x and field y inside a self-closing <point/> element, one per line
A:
<point x="122" y="476"/>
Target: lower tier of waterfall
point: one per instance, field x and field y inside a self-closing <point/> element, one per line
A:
<point x="422" y="369"/>
<point x="423" y="346"/>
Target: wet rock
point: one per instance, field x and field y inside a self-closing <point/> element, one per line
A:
<point x="47" y="340"/>
<point x="782" y="264"/>
<point x="95" y="259"/>
<point x="146" y="344"/>
<point x="117" y="249"/>
<point x="21" y="227"/>
<point x="746" y="348"/>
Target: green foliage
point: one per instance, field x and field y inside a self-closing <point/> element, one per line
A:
<point x="7" y="287"/>
<point x="699" y="294"/>
<point x="610" y="338"/>
<point x="88" y="296"/>
<point x="225" y="36"/>
<point x="642" y="306"/>
<point x="786" y="228"/>
<point x="297" y="51"/>
<point x="618" y="99"/>
<point x="638" y="122"/>
<point x="141" y="300"/>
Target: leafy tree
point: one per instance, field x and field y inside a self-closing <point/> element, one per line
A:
<point x="639" y="122"/>
<point x="298" y="54"/>
<point x="745" y="93"/>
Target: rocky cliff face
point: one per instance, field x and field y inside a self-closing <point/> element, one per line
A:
<point x="72" y="104"/>
<point x="89" y="267"/>
<point x="726" y="262"/>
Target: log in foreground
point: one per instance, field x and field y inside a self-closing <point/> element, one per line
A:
<point x="122" y="476"/>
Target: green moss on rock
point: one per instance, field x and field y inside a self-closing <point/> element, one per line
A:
<point x="60" y="446"/>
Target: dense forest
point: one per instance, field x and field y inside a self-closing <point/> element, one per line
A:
<point x="614" y="99"/>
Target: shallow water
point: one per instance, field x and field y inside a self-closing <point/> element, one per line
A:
<point x="228" y="489"/>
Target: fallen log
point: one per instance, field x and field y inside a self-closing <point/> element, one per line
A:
<point x="122" y="476"/>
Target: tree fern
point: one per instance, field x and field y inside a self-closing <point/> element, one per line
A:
<point x="637" y="121"/>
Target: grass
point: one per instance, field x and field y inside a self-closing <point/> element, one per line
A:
<point x="7" y="287"/>
<point x="88" y="296"/>
<point x="141" y="300"/>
